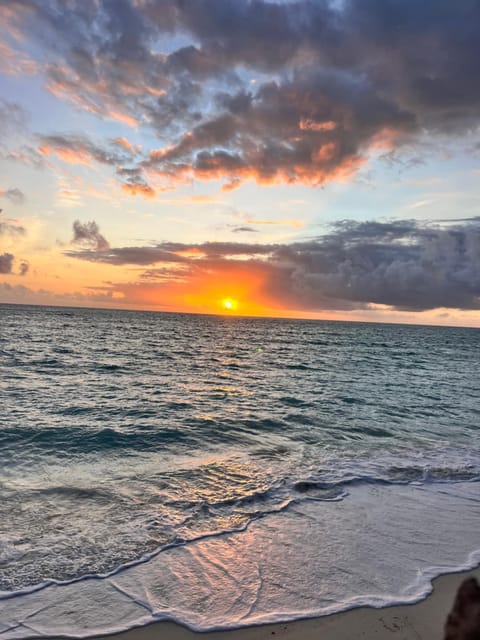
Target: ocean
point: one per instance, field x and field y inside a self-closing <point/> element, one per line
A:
<point x="222" y="471"/>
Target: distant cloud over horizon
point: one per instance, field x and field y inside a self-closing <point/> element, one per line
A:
<point x="7" y="261"/>
<point x="11" y="229"/>
<point x="402" y="264"/>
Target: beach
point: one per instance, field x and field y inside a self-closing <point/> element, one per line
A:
<point x="421" y="621"/>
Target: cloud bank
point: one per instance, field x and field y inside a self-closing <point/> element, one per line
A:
<point x="402" y="264"/>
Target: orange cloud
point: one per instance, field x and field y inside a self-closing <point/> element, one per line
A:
<point x="70" y="156"/>
<point x="128" y="146"/>
<point x="308" y="124"/>
<point x="65" y="91"/>
<point x="296" y="224"/>
<point x="321" y="167"/>
<point x="194" y="252"/>
<point x="123" y="118"/>
<point x="386" y="139"/>
<point x="137" y="189"/>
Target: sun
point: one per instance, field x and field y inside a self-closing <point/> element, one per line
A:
<point x="229" y="304"/>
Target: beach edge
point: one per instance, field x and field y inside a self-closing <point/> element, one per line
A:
<point x="423" y="620"/>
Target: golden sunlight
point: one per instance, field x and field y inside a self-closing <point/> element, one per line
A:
<point x="229" y="304"/>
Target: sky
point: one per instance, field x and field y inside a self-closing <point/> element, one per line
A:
<point x="297" y="158"/>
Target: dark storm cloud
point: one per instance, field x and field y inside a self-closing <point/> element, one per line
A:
<point x="422" y="53"/>
<point x="401" y="264"/>
<point x="331" y="80"/>
<point x="88" y="234"/>
<point x="404" y="264"/>
<point x="310" y="129"/>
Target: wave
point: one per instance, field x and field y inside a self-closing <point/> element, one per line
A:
<point x="182" y="519"/>
<point x="76" y="440"/>
<point x="175" y="543"/>
<point x="133" y="435"/>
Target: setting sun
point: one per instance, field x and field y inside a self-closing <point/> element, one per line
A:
<point x="229" y="304"/>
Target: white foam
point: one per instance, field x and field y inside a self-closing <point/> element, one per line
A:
<point x="380" y="546"/>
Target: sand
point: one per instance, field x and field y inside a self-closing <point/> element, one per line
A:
<point x="421" y="621"/>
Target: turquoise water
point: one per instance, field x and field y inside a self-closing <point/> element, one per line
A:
<point x="198" y="452"/>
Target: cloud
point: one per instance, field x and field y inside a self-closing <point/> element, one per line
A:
<point x="124" y="118"/>
<point x="244" y="230"/>
<point x="123" y="143"/>
<point x="14" y="195"/>
<point x="77" y="149"/>
<point x="135" y="186"/>
<point x="12" y="64"/>
<point x="12" y="119"/>
<point x="334" y="82"/>
<point x="10" y="227"/>
<point x="15" y="136"/>
<point x="6" y="262"/>
<point x="167" y="252"/>
<point x="119" y="155"/>
<point x="20" y="294"/>
<point x="126" y="255"/>
<point x="260" y="136"/>
<point x="24" y="268"/>
<point x="402" y="264"/>
<point x="296" y="224"/>
<point x="88" y="234"/>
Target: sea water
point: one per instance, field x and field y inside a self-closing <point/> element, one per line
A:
<point x="224" y="471"/>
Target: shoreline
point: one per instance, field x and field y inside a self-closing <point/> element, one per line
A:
<point x="423" y="620"/>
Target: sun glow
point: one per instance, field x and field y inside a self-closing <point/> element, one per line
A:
<point x="229" y="304"/>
